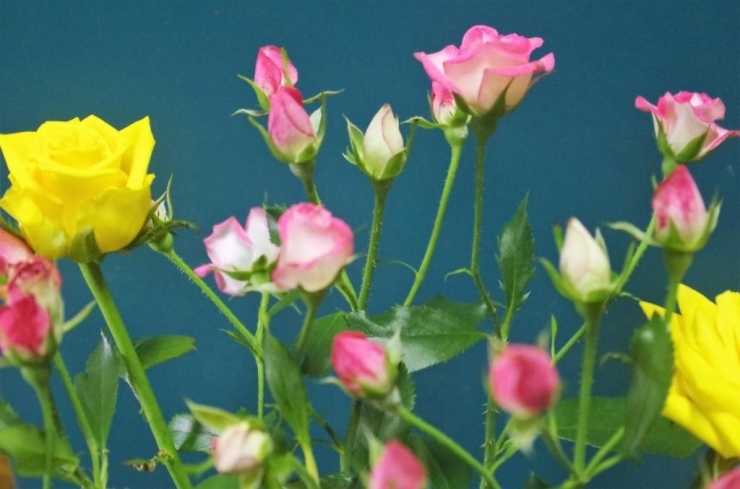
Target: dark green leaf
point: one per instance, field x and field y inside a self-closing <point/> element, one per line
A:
<point x="26" y="446"/>
<point x="286" y="385"/>
<point x="219" y="481"/>
<point x="516" y="258"/>
<point x="8" y="417"/>
<point x="443" y="467"/>
<point x="318" y="345"/>
<point x="159" y="349"/>
<point x="97" y="388"/>
<point x="189" y="435"/>
<point x="429" y="335"/>
<point x="652" y="371"/>
<point x="607" y="415"/>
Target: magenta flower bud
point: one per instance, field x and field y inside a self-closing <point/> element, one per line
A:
<point x="523" y="380"/>
<point x="37" y="277"/>
<point x="682" y="221"/>
<point x="269" y="72"/>
<point x="685" y="124"/>
<point x="290" y="129"/>
<point x="486" y="67"/>
<point x="26" y="334"/>
<point x="728" y="480"/>
<point x="240" y="251"/>
<point x="584" y="264"/>
<point x="398" y="468"/>
<point x="240" y="449"/>
<point x="363" y="366"/>
<point x="315" y="247"/>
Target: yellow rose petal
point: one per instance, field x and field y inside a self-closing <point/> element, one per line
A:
<point x="135" y="160"/>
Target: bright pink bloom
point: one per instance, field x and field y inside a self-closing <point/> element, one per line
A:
<point x="25" y="330"/>
<point x="683" y="118"/>
<point x="398" y="468"/>
<point x="729" y="480"/>
<point x="362" y="365"/>
<point x="290" y="127"/>
<point x="523" y="380"/>
<point x="232" y="248"/>
<point x="443" y="104"/>
<point x="269" y="72"/>
<point x="315" y="247"/>
<point x="487" y="65"/>
<point x="678" y="206"/>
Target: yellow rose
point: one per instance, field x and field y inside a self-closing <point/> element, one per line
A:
<point x="704" y="396"/>
<point x="69" y="179"/>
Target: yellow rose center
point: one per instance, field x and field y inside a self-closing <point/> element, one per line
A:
<point x="75" y="146"/>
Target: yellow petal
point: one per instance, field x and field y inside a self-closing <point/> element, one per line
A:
<point x="728" y="326"/>
<point x="139" y="142"/>
<point x="17" y="149"/>
<point x="32" y="211"/>
<point x="690" y="300"/>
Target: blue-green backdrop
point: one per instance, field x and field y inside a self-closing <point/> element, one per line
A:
<point x="576" y="144"/>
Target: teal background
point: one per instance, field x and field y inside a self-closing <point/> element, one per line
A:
<point x="576" y="144"/>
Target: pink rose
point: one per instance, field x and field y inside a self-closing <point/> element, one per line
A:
<point x="269" y="72"/>
<point x="682" y="220"/>
<point x="246" y="251"/>
<point x="523" y="380"/>
<point x="290" y="129"/>
<point x="728" y="480"/>
<point x="584" y="264"/>
<point x="37" y="277"/>
<point x="315" y="247"/>
<point x="487" y="66"/>
<point x="362" y="365"/>
<point x="12" y="250"/>
<point x="443" y="104"/>
<point x="684" y="124"/>
<point x="398" y="468"/>
<point x="26" y="334"/>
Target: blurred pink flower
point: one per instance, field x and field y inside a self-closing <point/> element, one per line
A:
<point x="397" y="468"/>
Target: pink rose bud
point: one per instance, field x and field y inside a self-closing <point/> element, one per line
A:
<point x="444" y="107"/>
<point x="523" y="380"/>
<point x="291" y="130"/>
<point x="363" y="366"/>
<point x="398" y="468"/>
<point x="12" y="250"/>
<point x="728" y="480"/>
<point x="487" y="66"/>
<point x="26" y="334"/>
<point x="37" y="277"/>
<point x="241" y="449"/>
<point x="315" y="247"/>
<point x="682" y="221"/>
<point x="269" y="72"/>
<point x="244" y="251"/>
<point x="382" y="147"/>
<point x="584" y="264"/>
<point x="684" y="124"/>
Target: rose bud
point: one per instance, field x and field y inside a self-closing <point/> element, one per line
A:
<point x="291" y="133"/>
<point x="684" y="124"/>
<point x="486" y="67"/>
<point x="383" y="152"/>
<point x="247" y="252"/>
<point x="584" y="264"/>
<point x="728" y="480"/>
<point x="682" y="222"/>
<point x="269" y="72"/>
<point x="363" y="366"/>
<point x="26" y="333"/>
<point x="240" y="449"/>
<point x="523" y="380"/>
<point x="315" y="247"/>
<point x="397" y="468"/>
<point x="39" y="278"/>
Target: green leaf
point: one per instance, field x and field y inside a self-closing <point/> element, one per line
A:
<point x="443" y="467"/>
<point x="158" y="349"/>
<point x="213" y="418"/>
<point x="652" y="371"/>
<point x="8" y="416"/>
<point x="516" y="258"/>
<point x="97" y="388"/>
<point x="607" y="414"/>
<point x="317" y="361"/>
<point x="429" y="334"/>
<point x="189" y="435"/>
<point x="25" y="445"/>
<point x="219" y="481"/>
<point x="286" y="385"/>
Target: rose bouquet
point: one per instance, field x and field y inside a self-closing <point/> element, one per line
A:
<point x="80" y="190"/>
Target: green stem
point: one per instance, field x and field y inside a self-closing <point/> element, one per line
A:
<point x="246" y="334"/>
<point x="594" y="464"/>
<point x="380" y="189"/>
<point x="310" y="461"/>
<point x="304" y="171"/>
<point x="634" y="260"/>
<point x="38" y="377"/>
<point x="262" y="323"/>
<point x="677" y="263"/>
<point x="350" y="437"/>
<point x="456" y="151"/>
<point x="137" y="376"/>
<point x="591" y="316"/>
<point x="490" y="448"/>
<point x="443" y="439"/>
<point x="344" y="286"/>
<point x="569" y="344"/>
<point x="312" y="300"/>
<point x="99" y="478"/>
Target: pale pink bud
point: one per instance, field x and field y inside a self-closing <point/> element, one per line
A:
<point x="523" y="380"/>
<point x="289" y="126"/>
<point x="443" y="104"/>
<point x="486" y="66"/>
<point x="315" y="247"/>
<point x="681" y="218"/>
<point x="26" y="334"/>
<point x="269" y="72"/>
<point x="362" y="365"/>
<point x="232" y="248"/>
<point x="382" y="142"/>
<point x="584" y="263"/>
<point x="728" y="480"/>
<point x="684" y="118"/>
<point x="398" y="468"/>
<point x="12" y="250"/>
<point x="40" y="278"/>
<point x="241" y="449"/>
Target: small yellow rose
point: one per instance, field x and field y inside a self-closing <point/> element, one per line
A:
<point x="704" y="396"/>
<point x="72" y="178"/>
